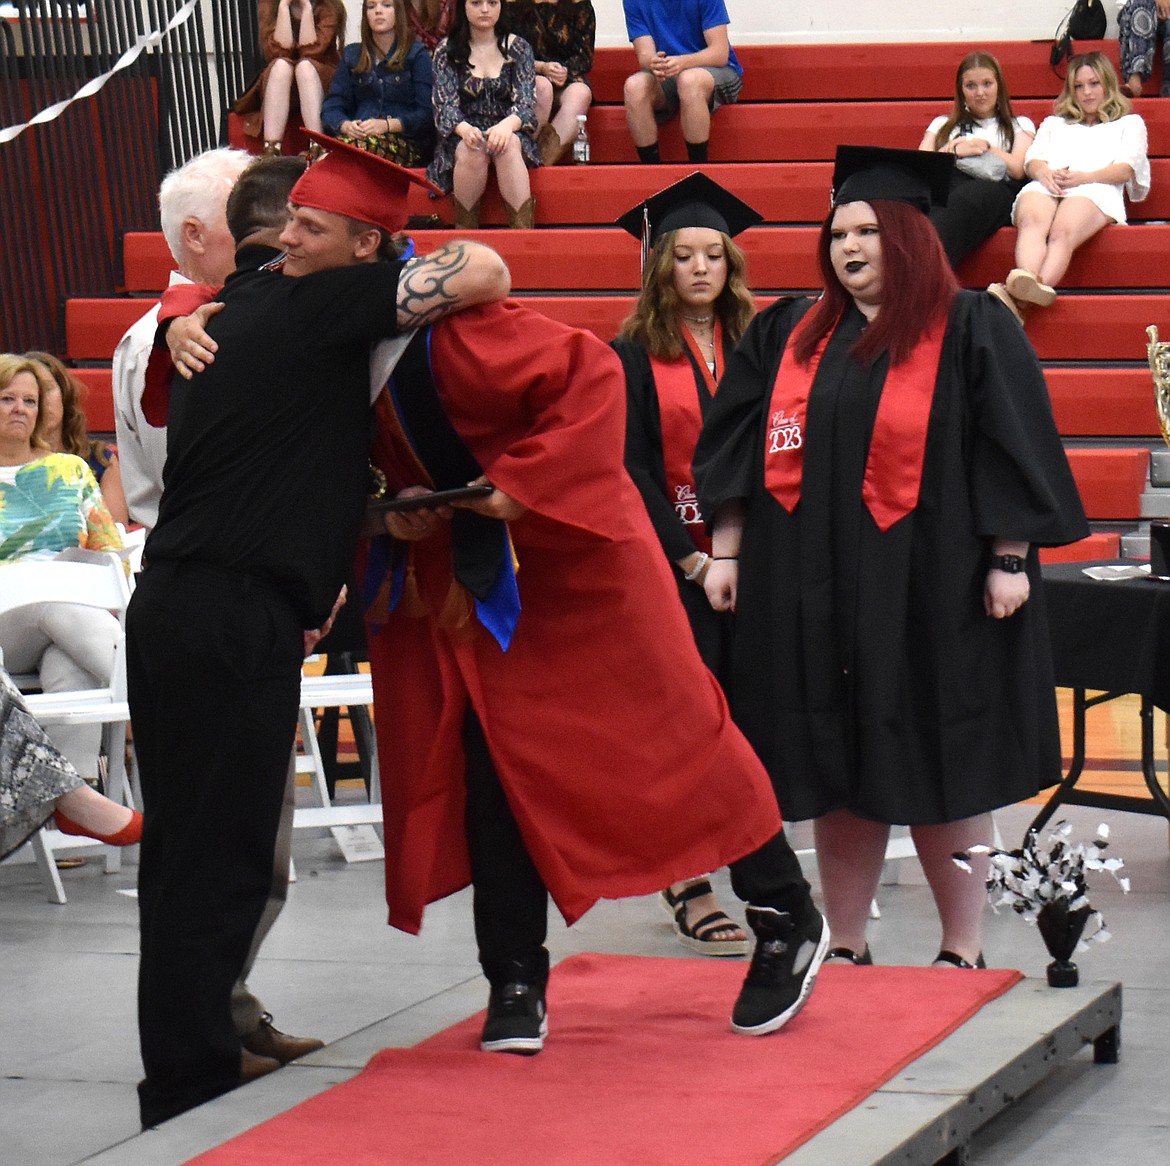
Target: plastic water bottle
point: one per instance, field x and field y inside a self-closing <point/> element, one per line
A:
<point x="581" y="141"/>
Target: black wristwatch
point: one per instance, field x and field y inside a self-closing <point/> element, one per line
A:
<point x="1012" y="564"/>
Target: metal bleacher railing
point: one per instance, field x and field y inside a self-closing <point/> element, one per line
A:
<point x="72" y="184"/>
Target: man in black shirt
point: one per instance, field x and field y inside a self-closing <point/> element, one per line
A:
<point x="264" y="490"/>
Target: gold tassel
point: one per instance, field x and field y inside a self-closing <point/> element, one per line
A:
<point x="456" y="611"/>
<point x="413" y="605"/>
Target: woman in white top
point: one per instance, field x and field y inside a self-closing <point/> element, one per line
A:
<point x="1084" y="159"/>
<point x="988" y="142"/>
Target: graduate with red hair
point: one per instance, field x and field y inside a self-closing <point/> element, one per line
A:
<point x="880" y="466"/>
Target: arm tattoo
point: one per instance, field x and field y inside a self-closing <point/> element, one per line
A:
<point x="424" y="287"/>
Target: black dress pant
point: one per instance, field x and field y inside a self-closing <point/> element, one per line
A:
<point x="976" y="208"/>
<point x="213" y="665"/>
<point x="509" y="898"/>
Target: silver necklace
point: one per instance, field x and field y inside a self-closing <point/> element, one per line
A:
<point x="700" y="319"/>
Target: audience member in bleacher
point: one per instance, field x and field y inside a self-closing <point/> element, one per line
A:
<point x="692" y="311"/>
<point x="1086" y="158"/>
<point x="1140" y="25"/>
<point x="561" y="33"/>
<point x="880" y="465"/>
<point x="988" y="141"/>
<point x="192" y="201"/>
<point x="48" y="503"/>
<point x="430" y="20"/>
<point x="485" y="113"/>
<point x="302" y="42"/>
<point x="550" y="727"/>
<point x="686" y="66"/>
<point x="380" y="98"/>
<point x="250" y="550"/>
<point x="37" y="783"/>
<point x="64" y="431"/>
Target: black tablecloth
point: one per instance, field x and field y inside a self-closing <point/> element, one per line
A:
<point x="1113" y="636"/>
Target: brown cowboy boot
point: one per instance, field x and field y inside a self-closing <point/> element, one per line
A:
<point x="522" y="217"/>
<point x="549" y="143"/>
<point x="466" y="217"/>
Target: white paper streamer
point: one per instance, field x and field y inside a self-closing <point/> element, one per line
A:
<point x="145" y="41"/>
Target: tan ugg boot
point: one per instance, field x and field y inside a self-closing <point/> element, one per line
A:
<point x="466" y="217"/>
<point x="522" y="217"/>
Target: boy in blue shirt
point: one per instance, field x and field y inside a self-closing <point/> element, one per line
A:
<point x="686" y="66"/>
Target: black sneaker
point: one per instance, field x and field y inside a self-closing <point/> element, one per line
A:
<point x="517" y="1020"/>
<point x="784" y="966"/>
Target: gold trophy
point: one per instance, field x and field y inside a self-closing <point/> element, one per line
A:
<point x="1158" y="352"/>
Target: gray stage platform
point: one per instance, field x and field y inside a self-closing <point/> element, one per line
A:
<point x="928" y="1112"/>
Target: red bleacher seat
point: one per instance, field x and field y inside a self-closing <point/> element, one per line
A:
<point x="1076" y="327"/>
<point x="1103" y="401"/>
<point x="861" y="72"/>
<point x="1099" y="545"/>
<point x="1111" y="481"/>
<point x="804" y="131"/>
<point x="99" y="399"/>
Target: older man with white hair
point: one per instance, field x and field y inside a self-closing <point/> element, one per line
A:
<point x="192" y="201"/>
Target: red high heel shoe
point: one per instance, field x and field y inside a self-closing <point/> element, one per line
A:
<point x="129" y="835"/>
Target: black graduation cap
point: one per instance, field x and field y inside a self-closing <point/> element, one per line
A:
<point x="694" y="201"/>
<point x="868" y="173"/>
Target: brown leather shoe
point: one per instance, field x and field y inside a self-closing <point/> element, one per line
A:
<point x="270" y="1042"/>
<point x="253" y="1066"/>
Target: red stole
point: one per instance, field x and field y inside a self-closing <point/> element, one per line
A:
<point x="897" y="446"/>
<point x="682" y="419"/>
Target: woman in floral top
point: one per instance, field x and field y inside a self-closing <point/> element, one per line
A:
<point x="48" y="503"/>
<point x="484" y="98"/>
<point x="561" y="33"/>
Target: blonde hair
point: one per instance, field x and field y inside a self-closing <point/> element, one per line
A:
<point x="11" y="366"/>
<point x="1115" y="105"/>
<point x="655" y="324"/>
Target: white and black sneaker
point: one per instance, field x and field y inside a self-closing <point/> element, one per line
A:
<point x="784" y="966"/>
<point x="517" y="1019"/>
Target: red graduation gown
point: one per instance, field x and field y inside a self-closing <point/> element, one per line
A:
<point x="612" y="740"/>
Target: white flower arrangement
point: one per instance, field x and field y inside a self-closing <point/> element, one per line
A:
<point x="1049" y="873"/>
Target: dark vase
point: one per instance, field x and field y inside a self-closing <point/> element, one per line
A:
<point x="1061" y="930"/>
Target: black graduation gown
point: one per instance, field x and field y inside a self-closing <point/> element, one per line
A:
<point x="866" y="674"/>
<point x="646" y="465"/>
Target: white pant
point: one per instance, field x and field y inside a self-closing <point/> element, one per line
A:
<point x="71" y="647"/>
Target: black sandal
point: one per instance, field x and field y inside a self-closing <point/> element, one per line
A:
<point x="957" y="961"/>
<point x="864" y="960"/>
<point x="704" y="936"/>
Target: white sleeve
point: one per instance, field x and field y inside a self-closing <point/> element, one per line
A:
<point x="1132" y="150"/>
<point x="1041" y="145"/>
<point x="937" y="124"/>
<point x="142" y="449"/>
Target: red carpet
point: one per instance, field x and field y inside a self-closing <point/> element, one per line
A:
<point x="639" y="1068"/>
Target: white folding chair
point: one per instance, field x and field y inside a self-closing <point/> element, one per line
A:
<point x="347" y="689"/>
<point x="350" y="823"/>
<point x="95" y="579"/>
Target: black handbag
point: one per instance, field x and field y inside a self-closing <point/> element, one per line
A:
<point x="1086" y="20"/>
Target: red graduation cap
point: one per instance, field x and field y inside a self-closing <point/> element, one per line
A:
<point x="355" y="183"/>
